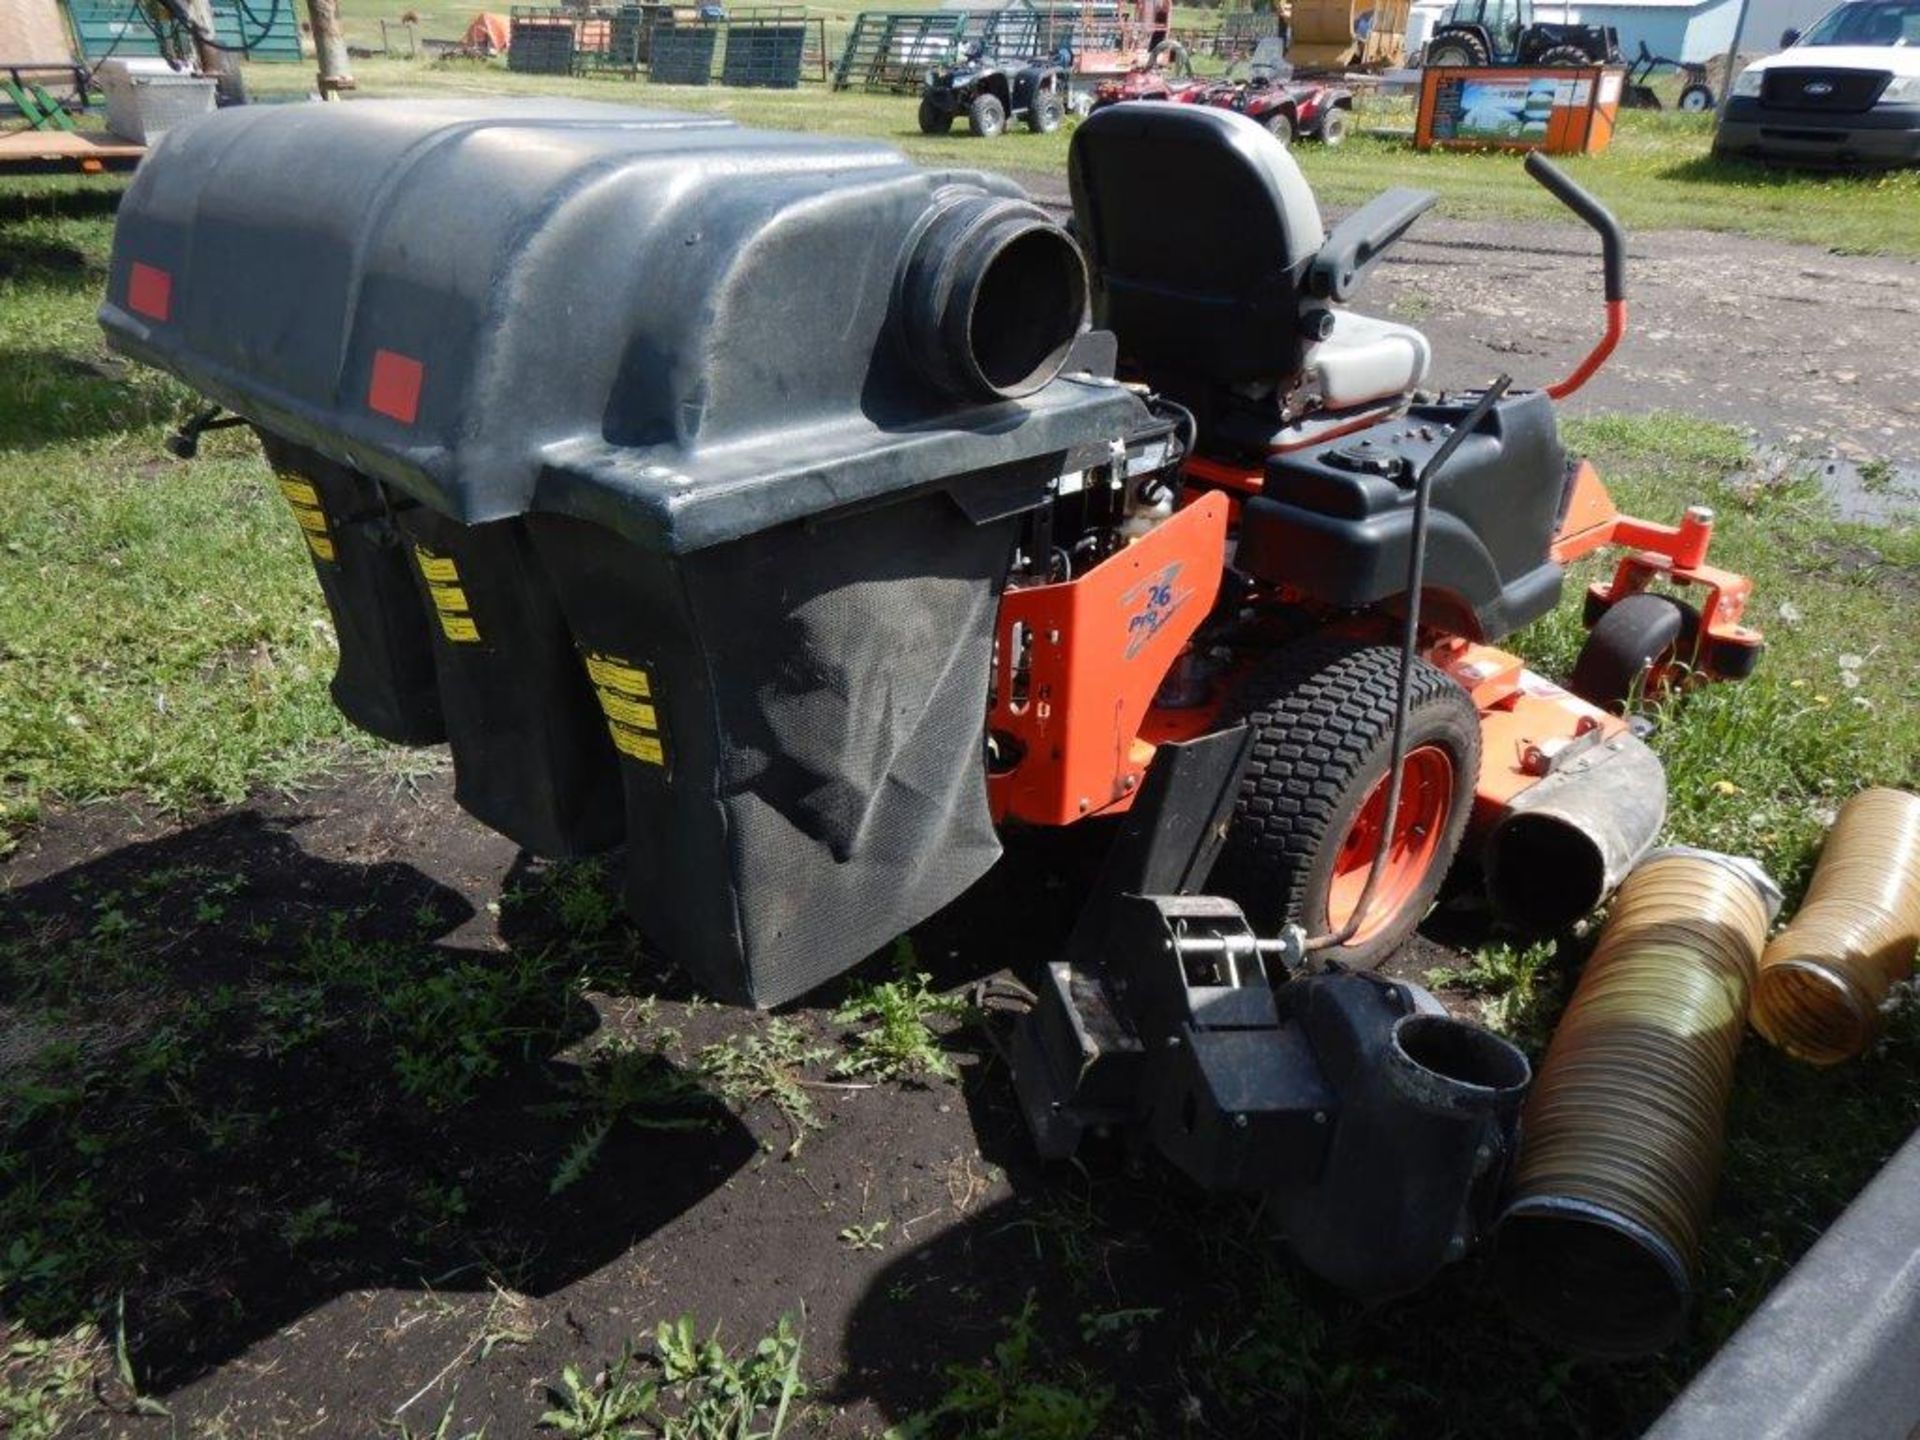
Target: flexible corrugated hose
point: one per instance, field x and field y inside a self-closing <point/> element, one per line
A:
<point x="1622" y="1135"/>
<point x="1824" y="978"/>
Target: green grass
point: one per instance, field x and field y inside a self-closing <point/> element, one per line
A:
<point x="1657" y="174"/>
<point x="157" y="634"/>
<point x="1757" y="768"/>
<point x="1020" y="1393"/>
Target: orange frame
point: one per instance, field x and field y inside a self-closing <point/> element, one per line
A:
<point x="1079" y="664"/>
<point x="1676" y="553"/>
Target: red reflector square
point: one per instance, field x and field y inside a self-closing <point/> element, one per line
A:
<point x="394" y="390"/>
<point x="149" y="291"/>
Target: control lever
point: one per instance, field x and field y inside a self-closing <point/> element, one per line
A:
<point x="1613" y="262"/>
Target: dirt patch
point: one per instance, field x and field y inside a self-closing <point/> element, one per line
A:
<point x="1859" y="562"/>
<point x="303" y="1243"/>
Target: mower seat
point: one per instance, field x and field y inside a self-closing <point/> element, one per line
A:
<point x="1209" y="261"/>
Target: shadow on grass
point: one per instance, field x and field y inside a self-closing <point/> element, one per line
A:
<point x="71" y="202"/>
<point x="48" y="396"/>
<point x="49" y="259"/>
<point x="237" y="1081"/>
<point x="1713" y="170"/>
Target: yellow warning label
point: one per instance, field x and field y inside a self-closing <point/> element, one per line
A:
<point x="608" y="673"/>
<point x="628" y="712"/>
<point x="309" y="514"/>
<point x="436" y="569"/>
<point x="624" y="690"/>
<point x="299" y="492"/>
<point x="449" y="597"/>
<point x="638" y="744"/>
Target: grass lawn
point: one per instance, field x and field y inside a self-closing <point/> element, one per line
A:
<point x="161" y="636"/>
<point x="1657" y="174"/>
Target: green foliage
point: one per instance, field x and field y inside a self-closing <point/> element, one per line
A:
<point x="685" y="1389"/>
<point x="768" y="1066"/>
<point x="601" y="1408"/>
<point x="625" y="1083"/>
<point x="1513" y="984"/>
<point x="865" y="1237"/>
<point x="897" y="1043"/>
<point x="1003" y="1399"/>
<point x="45" y="1383"/>
<point x="162" y="631"/>
<point x="720" y="1397"/>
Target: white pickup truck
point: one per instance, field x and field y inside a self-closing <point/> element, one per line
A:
<point x="1847" y="92"/>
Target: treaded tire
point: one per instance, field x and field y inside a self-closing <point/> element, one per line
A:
<point x="1461" y="49"/>
<point x="934" y="120"/>
<point x="1696" y="98"/>
<point x="986" y="117"/>
<point x="1636" y="633"/>
<point x="1565" y="57"/>
<point x="1322" y="714"/>
<point x="1333" y="126"/>
<point x="1046" y="115"/>
<point x="1280" y="125"/>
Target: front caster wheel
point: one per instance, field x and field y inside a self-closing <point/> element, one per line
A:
<point x="1632" y="650"/>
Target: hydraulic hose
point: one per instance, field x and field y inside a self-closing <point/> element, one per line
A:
<point x="1409" y="650"/>
<point x="1824" y="978"/>
<point x="1621" y="1138"/>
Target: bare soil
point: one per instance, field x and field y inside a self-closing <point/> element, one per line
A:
<point x="390" y="1309"/>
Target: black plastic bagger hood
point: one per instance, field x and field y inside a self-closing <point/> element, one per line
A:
<point x="667" y="470"/>
<point x="663" y="322"/>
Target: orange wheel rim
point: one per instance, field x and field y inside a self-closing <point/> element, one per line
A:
<point x="1426" y="803"/>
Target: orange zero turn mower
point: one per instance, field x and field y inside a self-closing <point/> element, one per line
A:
<point x="1252" y="564"/>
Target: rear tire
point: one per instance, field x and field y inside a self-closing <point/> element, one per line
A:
<point x="934" y="120"/>
<point x="1456" y="50"/>
<point x="1638" y="637"/>
<point x="1322" y="715"/>
<point x="986" y="117"/>
<point x="1333" y="126"/>
<point x="1045" y="116"/>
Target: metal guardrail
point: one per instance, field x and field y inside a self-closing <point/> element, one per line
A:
<point x="1834" y="1352"/>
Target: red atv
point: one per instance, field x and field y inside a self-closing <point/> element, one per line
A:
<point x="1263" y="88"/>
<point x="1165" y="76"/>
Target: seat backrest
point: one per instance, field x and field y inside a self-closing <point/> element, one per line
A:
<point x="1198" y="228"/>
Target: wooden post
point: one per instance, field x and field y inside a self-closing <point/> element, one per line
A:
<point x="222" y="66"/>
<point x="330" y="48"/>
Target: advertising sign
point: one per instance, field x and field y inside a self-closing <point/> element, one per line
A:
<point x="1560" y="111"/>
